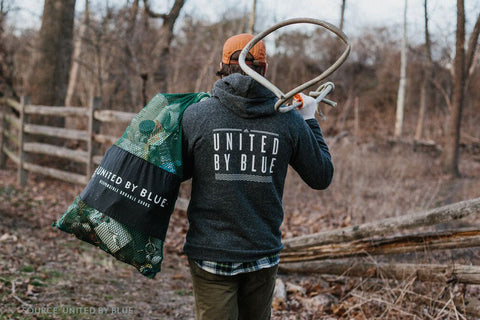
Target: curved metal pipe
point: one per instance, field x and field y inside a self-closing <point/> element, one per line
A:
<point x="283" y="97"/>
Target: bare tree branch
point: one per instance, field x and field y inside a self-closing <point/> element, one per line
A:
<point x="472" y="45"/>
<point x="166" y="36"/>
<point x="342" y="14"/>
<point x="444" y="93"/>
<point x="452" y="136"/>
<point x="132" y="17"/>
<point x="153" y="14"/>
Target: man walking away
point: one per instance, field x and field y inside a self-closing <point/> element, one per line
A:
<point x="237" y="149"/>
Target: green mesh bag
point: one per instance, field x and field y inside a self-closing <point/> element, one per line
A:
<point x="121" y="241"/>
<point x="153" y="134"/>
<point x="126" y="206"/>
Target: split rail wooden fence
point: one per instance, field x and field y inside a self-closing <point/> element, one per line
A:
<point x="17" y="138"/>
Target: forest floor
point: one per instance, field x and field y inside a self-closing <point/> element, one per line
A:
<point x="48" y="274"/>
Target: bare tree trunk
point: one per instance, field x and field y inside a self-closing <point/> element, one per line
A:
<point x="251" y="23"/>
<point x="403" y="79"/>
<point x="49" y="80"/>
<point x="130" y="56"/>
<point x="203" y="72"/>
<point x="7" y="60"/>
<point x="422" y="109"/>
<point x="97" y="83"/>
<point x="450" y="156"/>
<point x="164" y="41"/>
<point x="425" y="89"/>
<point x="346" y="109"/>
<point x="77" y="52"/>
<point x="342" y="14"/>
<point x="475" y="62"/>
<point x="472" y="46"/>
<point x="473" y="52"/>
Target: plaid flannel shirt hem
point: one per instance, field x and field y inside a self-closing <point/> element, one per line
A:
<point x="234" y="268"/>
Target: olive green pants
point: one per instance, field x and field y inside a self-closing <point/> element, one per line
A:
<point x="246" y="296"/>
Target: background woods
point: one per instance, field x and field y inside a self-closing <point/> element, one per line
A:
<point x="126" y="53"/>
<point x="91" y="54"/>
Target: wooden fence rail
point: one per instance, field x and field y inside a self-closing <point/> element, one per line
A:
<point x="17" y="137"/>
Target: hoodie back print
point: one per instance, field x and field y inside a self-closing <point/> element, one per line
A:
<point x="237" y="149"/>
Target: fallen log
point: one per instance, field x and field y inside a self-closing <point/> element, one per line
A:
<point x="452" y="239"/>
<point x="387" y="226"/>
<point x="397" y="271"/>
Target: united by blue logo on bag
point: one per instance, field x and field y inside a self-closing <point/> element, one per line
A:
<point x="133" y="191"/>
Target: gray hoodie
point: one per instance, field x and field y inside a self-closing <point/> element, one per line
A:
<point x="237" y="149"/>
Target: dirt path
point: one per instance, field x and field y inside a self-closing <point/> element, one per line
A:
<point x="48" y="274"/>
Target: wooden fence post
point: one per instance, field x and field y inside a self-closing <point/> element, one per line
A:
<point x="3" y="156"/>
<point x="93" y="128"/>
<point x="22" y="173"/>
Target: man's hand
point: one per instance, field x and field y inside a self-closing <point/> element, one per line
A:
<point x="308" y="107"/>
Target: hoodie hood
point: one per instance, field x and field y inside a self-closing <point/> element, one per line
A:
<point x="244" y="96"/>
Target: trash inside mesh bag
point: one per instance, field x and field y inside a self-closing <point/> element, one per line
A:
<point x="126" y="206"/>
